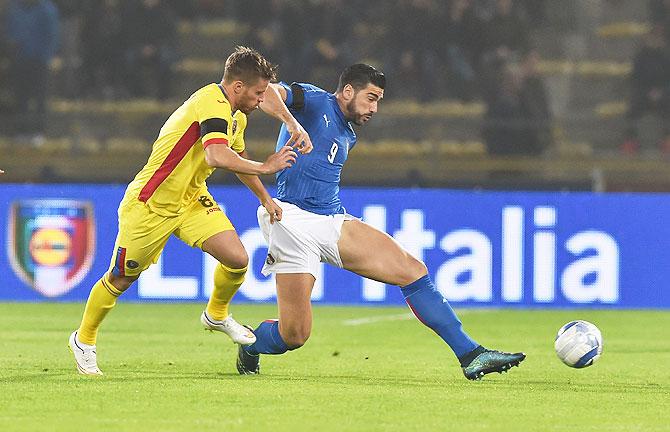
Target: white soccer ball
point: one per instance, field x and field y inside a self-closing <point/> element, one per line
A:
<point x="579" y="344"/>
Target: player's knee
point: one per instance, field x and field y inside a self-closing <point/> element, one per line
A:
<point x="419" y="269"/>
<point x="412" y="271"/>
<point x="238" y="260"/>
<point x="121" y="283"/>
<point x="295" y="338"/>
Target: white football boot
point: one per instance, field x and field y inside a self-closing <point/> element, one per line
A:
<point x="237" y="332"/>
<point x="84" y="356"/>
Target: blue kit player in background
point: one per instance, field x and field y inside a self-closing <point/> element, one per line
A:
<point x="316" y="228"/>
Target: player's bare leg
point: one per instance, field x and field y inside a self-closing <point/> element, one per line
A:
<point x="293" y="328"/>
<point x="389" y="263"/>
<point x="227" y="248"/>
<point x="393" y="265"/>
<point x="294" y="291"/>
<point x="121" y="283"/>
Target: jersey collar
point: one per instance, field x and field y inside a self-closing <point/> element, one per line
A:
<point x="339" y="112"/>
<point x="225" y="95"/>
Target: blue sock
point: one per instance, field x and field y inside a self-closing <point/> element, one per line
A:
<point x="433" y="310"/>
<point x="268" y="339"/>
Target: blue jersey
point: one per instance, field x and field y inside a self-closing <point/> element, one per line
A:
<point x="313" y="182"/>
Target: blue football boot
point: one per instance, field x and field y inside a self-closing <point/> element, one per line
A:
<point x="490" y="361"/>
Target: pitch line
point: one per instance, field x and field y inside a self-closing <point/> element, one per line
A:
<point x="397" y="317"/>
<point x="378" y="318"/>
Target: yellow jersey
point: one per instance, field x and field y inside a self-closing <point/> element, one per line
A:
<point x="176" y="170"/>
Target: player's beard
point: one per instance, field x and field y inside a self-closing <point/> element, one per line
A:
<point x="248" y="104"/>
<point x="356" y="117"/>
<point x="248" y="109"/>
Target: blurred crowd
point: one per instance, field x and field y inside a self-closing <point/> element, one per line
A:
<point x="110" y="48"/>
<point x="650" y="80"/>
<point x="28" y="46"/>
<point x="431" y="49"/>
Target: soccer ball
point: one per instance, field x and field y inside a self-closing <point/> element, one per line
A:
<point x="578" y="344"/>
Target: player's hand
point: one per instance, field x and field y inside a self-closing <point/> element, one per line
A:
<point x="2" y="172"/>
<point x="299" y="140"/>
<point x="273" y="209"/>
<point x="284" y="158"/>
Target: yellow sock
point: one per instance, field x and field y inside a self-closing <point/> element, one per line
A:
<point x="226" y="283"/>
<point x="100" y="301"/>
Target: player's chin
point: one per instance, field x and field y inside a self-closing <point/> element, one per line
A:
<point x="362" y="120"/>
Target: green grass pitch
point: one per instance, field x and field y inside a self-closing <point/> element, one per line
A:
<point x="364" y="369"/>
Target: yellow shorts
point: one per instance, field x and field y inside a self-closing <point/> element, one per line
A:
<point x="143" y="233"/>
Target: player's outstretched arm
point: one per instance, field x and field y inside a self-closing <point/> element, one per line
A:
<point x="222" y="156"/>
<point x="256" y="186"/>
<point x="274" y="105"/>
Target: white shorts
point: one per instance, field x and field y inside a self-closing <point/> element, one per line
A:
<point x="301" y="240"/>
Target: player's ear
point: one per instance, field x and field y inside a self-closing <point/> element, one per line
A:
<point x="348" y="92"/>
<point x="238" y="86"/>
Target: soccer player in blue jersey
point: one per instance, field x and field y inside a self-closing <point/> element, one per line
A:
<point x="316" y="228"/>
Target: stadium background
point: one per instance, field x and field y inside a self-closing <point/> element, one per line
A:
<point x="523" y="155"/>
<point x="500" y="95"/>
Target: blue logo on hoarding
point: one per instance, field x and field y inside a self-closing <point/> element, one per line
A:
<point x="486" y="249"/>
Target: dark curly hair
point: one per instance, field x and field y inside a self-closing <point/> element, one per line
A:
<point x="360" y="75"/>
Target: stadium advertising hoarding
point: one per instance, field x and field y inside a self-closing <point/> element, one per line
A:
<point x="508" y="249"/>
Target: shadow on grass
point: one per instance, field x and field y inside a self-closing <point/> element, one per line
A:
<point x="511" y="383"/>
<point x="60" y="375"/>
<point x="579" y="387"/>
<point x="69" y="376"/>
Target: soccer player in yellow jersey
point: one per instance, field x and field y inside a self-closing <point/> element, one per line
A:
<point x="169" y="196"/>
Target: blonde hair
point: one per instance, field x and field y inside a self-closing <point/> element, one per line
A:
<point x="248" y="65"/>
